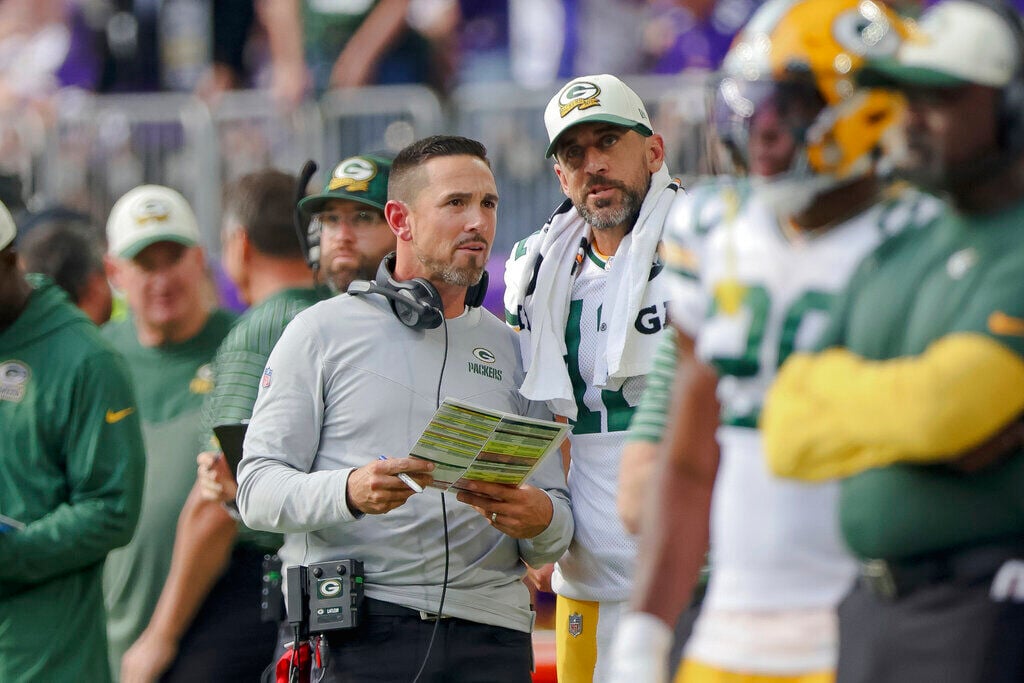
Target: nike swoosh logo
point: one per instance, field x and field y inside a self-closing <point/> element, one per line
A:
<point x="118" y="415"/>
<point x="1006" y="325"/>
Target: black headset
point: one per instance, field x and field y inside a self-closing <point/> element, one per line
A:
<point x="415" y="302"/>
<point x="310" y="242"/>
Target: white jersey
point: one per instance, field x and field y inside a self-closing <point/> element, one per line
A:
<point x="599" y="562"/>
<point x="762" y="292"/>
<point x="598" y="566"/>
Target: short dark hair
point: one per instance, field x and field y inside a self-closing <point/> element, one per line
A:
<point x="67" y="252"/>
<point x="411" y="159"/>
<point x="263" y="203"/>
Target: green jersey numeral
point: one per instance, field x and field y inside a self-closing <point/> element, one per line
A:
<point x="757" y="300"/>
<point x="618" y="410"/>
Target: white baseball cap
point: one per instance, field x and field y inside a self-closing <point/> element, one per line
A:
<point x="149" y="214"/>
<point x="594" y="98"/>
<point x="7" y="229"/>
<point x="956" y="42"/>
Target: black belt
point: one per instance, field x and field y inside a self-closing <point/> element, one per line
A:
<point x="379" y="608"/>
<point x="892" y="579"/>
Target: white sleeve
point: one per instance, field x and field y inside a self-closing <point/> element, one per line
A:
<point x="276" y="490"/>
<point x="515" y="265"/>
<point x="683" y="254"/>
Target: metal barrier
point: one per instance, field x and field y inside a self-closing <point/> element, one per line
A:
<point x="381" y="118"/>
<point x="253" y="132"/>
<point x="98" y="147"/>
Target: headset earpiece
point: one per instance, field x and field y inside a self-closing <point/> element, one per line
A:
<point x="414" y="302"/>
<point x="475" y="294"/>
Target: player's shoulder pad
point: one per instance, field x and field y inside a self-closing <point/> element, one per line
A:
<point x="703" y="206"/>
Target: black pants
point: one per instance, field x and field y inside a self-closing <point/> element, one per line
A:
<point x="227" y="642"/>
<point x="945" y="632"/>
<point x="391" y="648"/>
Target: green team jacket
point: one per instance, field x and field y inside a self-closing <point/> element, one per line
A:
<point x="71" y="469"/>
<point x="962" y="278"/>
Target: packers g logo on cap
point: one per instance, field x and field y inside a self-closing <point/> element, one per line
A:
<point x="150" y="210"/>
<point x="353" y="174"/>
<point x="580" y="95"/>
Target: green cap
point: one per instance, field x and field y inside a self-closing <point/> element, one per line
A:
<point x="362" y="178"/>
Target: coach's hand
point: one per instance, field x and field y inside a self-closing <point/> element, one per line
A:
<point x="520" y="512"/>
<point x="374" y="488"/>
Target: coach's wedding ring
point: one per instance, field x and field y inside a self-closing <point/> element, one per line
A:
<point x="494" y="517"/>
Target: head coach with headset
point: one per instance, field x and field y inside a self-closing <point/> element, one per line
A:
<point x="357" y="377"/>
<point x="917" y="404"/>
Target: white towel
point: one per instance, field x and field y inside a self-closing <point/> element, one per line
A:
<point x="542" y="314"/>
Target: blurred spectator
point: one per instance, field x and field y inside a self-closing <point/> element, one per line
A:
<point x="342" y="43"/>
<point x="155" y="45"/>
<point x="44" y="44"/>
<point x="470" y="38"/>
<point x="71" y="254"/>
<point x="555" y="40"/>
<point x="692" y="34"/>
<point x="233" y="22"/>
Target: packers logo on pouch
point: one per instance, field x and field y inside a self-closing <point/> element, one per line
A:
<point x="202" y="383"/>
<point x="14" y="377"/>
<point x="328" y="588"/>
<point x="582" y="95"/>
<point x="575" y="624"/>
<point x="353" y="174"/>
<point x="484" y="356"/>
<point x="150" y="210"/>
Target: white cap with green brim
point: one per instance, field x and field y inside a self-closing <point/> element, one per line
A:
<point x="600" y="98"/>
<point x="149" y="214"/>
<point x="956" y="43"/>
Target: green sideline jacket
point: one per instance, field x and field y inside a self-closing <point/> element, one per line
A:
<point x="71" y="469"/>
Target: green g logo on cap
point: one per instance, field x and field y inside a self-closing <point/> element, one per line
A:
<point x="353" y="174"/>
<point x="581" y="95"/>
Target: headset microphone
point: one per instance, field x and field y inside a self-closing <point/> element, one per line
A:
<point x="310" y="243"/>
<point x="410" y="312"/>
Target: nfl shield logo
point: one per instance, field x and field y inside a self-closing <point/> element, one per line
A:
<point x="267" y="374"/>
<point x="575" y="624"/>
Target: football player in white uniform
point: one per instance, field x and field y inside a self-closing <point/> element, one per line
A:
<point x="587" y="294"/>
<point x="757" y="263"/>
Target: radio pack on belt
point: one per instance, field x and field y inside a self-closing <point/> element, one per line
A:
<point x="325" y="596"/>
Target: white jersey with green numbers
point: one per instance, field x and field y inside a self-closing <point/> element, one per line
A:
<point x="599" y="562"/>
<point x="751" y="289"/>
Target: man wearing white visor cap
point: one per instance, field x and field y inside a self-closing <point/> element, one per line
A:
<point x="587" y="297"/>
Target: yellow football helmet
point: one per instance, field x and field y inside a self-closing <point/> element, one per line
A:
<point x="798" y="59"/>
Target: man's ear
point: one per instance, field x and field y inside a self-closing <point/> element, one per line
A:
<point x="113" y="269"/>
<point x="398" y="218"/>
<point x="245" y="245"/>
<point x="654" y="147"/>
<point x="562" y="180"/>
